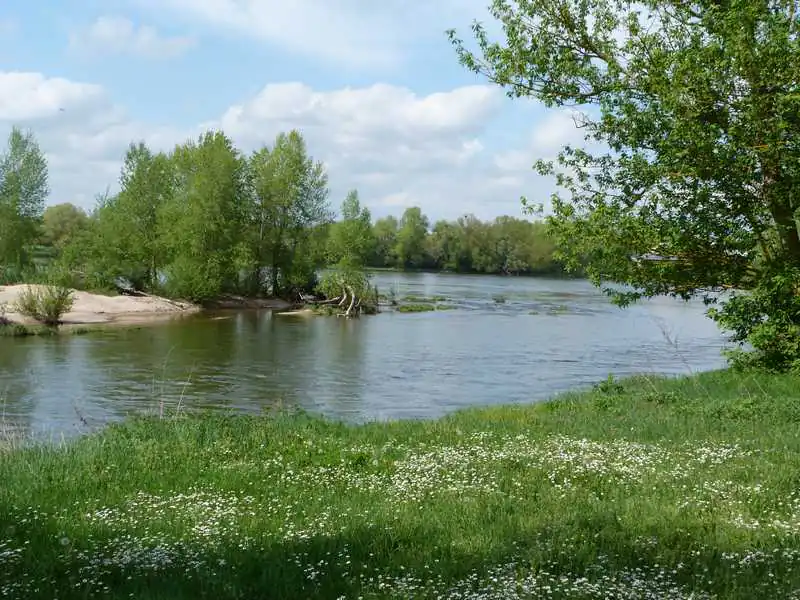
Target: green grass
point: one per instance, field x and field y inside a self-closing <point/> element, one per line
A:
<point x="37" y="330"/>
<point x="648" y="488"/>
<point x="425" y="299"/>
<point x="416" y="307"/>
<point x="21" y="330"/>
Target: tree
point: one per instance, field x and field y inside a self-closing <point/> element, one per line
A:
<point x="126" y="240"/>
<point x="61" y="223"/>
<point x="446" y="246"/>
<point x="350" y="245"/>
<point x="350" y="241"/>
<point x="410" y="245"/>
<point x="202" y="222"/>
<point x="291" y="199"/>
<point x="698" y="106"/>
<point x="23" y="191"/>
<point x="385" y="234"/>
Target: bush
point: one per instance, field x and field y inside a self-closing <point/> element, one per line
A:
<point x="766" y="318"/>
<point x="45" y="303"/>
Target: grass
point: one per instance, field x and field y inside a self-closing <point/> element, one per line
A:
<point x="425" y="299"/>
<point x="647" y="488"/>
<point x="416" y="307"/>
<point x="37" y="330"/>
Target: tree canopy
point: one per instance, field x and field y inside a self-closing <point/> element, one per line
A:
<point x="23" y="192"/>
<point x="697" y="107"/>
<point x="204" y="220"/>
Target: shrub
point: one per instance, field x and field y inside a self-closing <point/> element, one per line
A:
<point x="46" y="303"/>
<point x="766" y="318"/>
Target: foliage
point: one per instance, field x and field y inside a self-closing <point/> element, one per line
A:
<point x="350" y="283"/>
<point x="776" y="338"/>
<point x="671" y="488"/>
<point x="507" y="245"/>
<point x="385" y="239"/>
<point x="23" y="190"/>
<point x="291" y="200"/>
<point x="351" y="240"/>
<point x="61" y="223"/>
<point x="411" y="235"/>
<point x="204" y="220"/>
<point x="45" y="303"/>
<point x="698" y="108"/>
<point x="416" y="307"/>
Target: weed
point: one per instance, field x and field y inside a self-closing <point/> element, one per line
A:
<point x="45" y="303"/>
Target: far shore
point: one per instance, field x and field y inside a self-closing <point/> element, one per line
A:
<point x="98" y="309"/>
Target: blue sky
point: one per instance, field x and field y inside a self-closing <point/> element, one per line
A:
<point x="375" y="87"/>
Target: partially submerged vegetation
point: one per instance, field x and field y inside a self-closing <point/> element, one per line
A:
<point x="416" y="307"/>
<point x="649" y="488"/>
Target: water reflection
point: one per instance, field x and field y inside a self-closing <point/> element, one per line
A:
<point x="509" y="340"/>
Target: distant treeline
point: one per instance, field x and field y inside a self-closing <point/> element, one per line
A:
<point x="205" y="220"/>
<point x="507" y="245"/>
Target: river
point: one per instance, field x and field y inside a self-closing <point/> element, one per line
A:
<point x="506" y="340"/>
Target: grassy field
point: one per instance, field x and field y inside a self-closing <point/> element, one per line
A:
<point x="645" y="489"/>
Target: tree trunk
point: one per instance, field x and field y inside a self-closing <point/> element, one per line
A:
<point x="274" y="276"/>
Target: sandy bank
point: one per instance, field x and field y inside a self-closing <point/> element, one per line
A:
<point x="301" y="312"/>
<point x="97" y="309"/>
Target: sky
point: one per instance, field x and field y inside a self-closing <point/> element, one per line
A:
<point x="375" y="88"/>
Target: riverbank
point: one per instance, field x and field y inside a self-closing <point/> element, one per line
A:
<point x="648" y="488"/>
<point x="98" y="309"/>
<point x="91" y="311"/>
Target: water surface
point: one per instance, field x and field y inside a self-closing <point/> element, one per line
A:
<point x="507" y="340"/>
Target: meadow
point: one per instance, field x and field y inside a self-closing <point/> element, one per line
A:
<point x="649" y="488"/>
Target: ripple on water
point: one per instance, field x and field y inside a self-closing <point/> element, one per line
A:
<point x="544" y="337"/>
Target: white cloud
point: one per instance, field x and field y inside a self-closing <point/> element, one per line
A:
<point x="31" y="96"/>
<point x="355" y="33"/>
<point x="398" y="148"/>
<point x="556" y="130"/>
<point x="118" y="35"/>
<point x="380" y="125"/>
<point x="83" y="134"/>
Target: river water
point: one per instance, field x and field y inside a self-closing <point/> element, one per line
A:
<point x="506" y="340"/>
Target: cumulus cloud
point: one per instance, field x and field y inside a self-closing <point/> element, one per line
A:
<point x="32" y="96"/>
<point x="118" y="35"/>
<point x="376" y="126"/>
<point x="557" y="129"/>
<point x="398" y="148"/>
<point x="82" y="132"/>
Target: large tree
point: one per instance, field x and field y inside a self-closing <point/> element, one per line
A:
<point x="129" y="221"/>
<point x="202" y="221"/>
<point x="351" y="241"/>
<point x="410" y="244"/>
<point x="23" y="191"/>
<point x="291" y="201"/>
<point x="61" y="223"/>
<point x="697" y="104"/>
